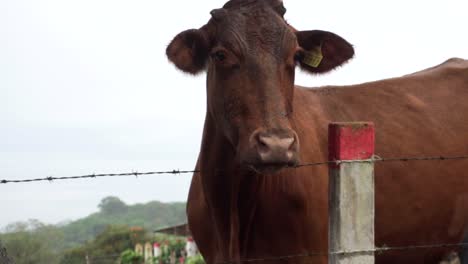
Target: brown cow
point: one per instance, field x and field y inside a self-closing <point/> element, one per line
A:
<point x="246" y="205"/>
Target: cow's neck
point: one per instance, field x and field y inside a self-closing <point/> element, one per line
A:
<point x="232" y="195"/>
<point x="227" y="189"/>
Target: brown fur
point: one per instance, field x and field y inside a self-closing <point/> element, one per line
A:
<point x="237" y="209"/>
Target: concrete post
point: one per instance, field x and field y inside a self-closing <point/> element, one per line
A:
<point x="191" y="247"/>
<point x="351" y="193"/>
<point x="148" y="252"/>
<point x="139" y="249"/>
<point x="156" y="249"/>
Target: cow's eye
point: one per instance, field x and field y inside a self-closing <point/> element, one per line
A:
<point x="219" y="56"/>
<point x="299" y="56"/>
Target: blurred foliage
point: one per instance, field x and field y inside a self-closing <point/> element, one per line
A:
<point x="112" y="206"/>
<point x="107" y="246"/>
<point x="130" y="257"/>
<point x="106" y="233"/>
<point x="4" y="259"/>
<point x="113" y="211"/>
<point x="198" y="259"/>
<point x="169" y="244"/>
<point x="32" y="242"/>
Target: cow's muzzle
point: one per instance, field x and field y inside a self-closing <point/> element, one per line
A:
<point x="274" y="149"/>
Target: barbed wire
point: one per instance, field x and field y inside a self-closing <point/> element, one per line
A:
<point x="93" y="176"/>
<point x="374" y="159"/>
<point x="377" y="158"/>
<point x="378" y="250"/>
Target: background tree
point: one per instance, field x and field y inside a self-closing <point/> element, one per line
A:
<point x="107" y="247"/>
<point x="70" y="241"/>
<point x="32" y="242"/>
<point x="112" y="205"/>
<point x="4" y="259"/>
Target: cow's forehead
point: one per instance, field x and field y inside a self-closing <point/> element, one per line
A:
<point x="276" y="4"/>
<point x="232" y="4"/>
<point x="254" y="27"/>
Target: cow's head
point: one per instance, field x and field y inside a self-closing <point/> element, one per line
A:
<point x="250" y="54"/>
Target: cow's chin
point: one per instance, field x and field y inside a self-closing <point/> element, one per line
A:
<point x="270" y="168"/>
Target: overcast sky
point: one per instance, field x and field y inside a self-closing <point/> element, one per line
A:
<point x="85" y="87"/>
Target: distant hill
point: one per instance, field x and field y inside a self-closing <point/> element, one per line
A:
<point x="113" y="211"/>
<point x="36" y="242"/>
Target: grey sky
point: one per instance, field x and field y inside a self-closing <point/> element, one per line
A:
<point x="85" y="87"/>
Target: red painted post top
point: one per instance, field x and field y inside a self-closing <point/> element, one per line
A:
<point x="351" y="141"/>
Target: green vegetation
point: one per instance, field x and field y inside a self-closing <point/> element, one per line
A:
<point x="107" y="246"/>
<point x="169" y="244"/>
<point x="113" y="211"/>
<point x="130" y="257"/>
<point x="198" y="259"/>
<point x="4" y="259"/>
<point x="32" y="242"/>
<point x="106" y="233"/>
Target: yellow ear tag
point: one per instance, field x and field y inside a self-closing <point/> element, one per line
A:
<point x="313" y="57"/>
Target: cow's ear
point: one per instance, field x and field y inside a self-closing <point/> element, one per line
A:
<point x="322" y="51"/>
<point x="189" y="50"/>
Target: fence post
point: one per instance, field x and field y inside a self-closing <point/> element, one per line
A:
<point x="351" y="193"/>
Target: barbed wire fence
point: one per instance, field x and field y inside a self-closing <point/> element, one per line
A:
<point x="375" y="159"/>
<point x="377" y="250"/>
<point x="94" y="176"/>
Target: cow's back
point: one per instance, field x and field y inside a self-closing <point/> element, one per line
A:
<point x="418" y="115"/>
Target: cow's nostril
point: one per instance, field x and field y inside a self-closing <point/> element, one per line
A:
<point x="262" y="145"/>
<point x="262" y="142"/>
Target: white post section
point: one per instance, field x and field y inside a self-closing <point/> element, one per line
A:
<point x="191" y="247"/>
<point x="351" y="193"/>
<point x="156" y="250"/>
